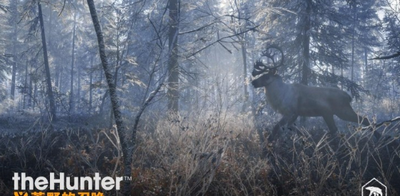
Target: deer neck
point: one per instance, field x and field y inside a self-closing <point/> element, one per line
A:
<point x="277" y="95"/>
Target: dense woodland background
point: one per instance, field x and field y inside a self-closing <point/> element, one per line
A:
<point x="181" y="71"/>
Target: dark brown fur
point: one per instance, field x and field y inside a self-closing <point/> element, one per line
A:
<point x="293" y="100"/>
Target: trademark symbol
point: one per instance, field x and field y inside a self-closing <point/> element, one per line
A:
<point x="128" y="178"/>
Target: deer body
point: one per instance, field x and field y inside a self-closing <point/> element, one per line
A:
<point x="302" y="100"/>
<point x="293" y="100"/>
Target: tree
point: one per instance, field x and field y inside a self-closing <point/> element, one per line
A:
<point x="127" y="140"/>
<point x="301" y="17"/>
<point x="173" y="66"/>
<point x="363" y="25"/>
<point x="392" y="22"/>
<point x="14" y="18"/>
<point x="6" y="58"/>
<point x="127" y="143"/>
<point x="47" y="67"/>
<point x="71" y="98"/>
<point x="319" y="36"/>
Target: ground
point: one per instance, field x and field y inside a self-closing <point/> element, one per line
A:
<point x="195" y="156"/>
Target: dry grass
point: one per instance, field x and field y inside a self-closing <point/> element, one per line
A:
<point x="212" y="155"/>
<point x="185" y="157"/>
<point x="209" y="157"/>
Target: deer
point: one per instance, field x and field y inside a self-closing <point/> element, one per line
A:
<point x="293" y="100"/>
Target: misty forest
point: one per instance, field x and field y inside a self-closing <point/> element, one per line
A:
<point x="203" y="97"/>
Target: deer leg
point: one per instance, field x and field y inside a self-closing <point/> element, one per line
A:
<point x="292" y="119"/>
<point x="332" y="132"/>
<point x="349" y="115"/>
<point x="276" y="128"/>
<point x="284" y="120"/>
<point x="331" y="124"/>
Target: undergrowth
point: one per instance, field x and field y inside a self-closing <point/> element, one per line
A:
<point x="212" y="155"/>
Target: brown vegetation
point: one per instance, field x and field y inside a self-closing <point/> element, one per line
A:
<point x="210" y="156"/>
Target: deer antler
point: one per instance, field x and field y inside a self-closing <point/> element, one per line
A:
<point x="272" y="52"/>
<point x="260" y="65"/>
<point x="259" y="68"/>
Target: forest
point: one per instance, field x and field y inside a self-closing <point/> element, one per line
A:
<point x="163" y="93"/>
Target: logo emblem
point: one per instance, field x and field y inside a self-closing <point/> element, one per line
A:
<point x="374" y="188"/>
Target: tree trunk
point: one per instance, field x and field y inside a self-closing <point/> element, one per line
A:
<point x="366" y="66"/>
<point x="127" y="143"/>
<point x="306" y="44"/>
<point x="57" y="78"/>
<point x="173" y="67"/>
<point x="47" y="68"/>
<point x="71" y="95"/>
<point x="91" y="86"/>
<point x="78" y="93"/>
<point x="244" y="58"/>
<point x="34" y="97"/>
<point x="25" y="92"/>
<point x="246" y="91"/>
<point x="353" y="40"/>
<point x="14" y="69"/>
<point x="14" y="52"/>
<point x="306" y="50"/>
<point x="60" y="81"/>
<point x="30" y="89"/>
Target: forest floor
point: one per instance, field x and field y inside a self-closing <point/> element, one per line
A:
<point x="15" y="123"/>
<point x="196" y="156"/>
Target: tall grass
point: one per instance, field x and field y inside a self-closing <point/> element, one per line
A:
<point x="188" y="156"/>
<point x="214" y="155"/>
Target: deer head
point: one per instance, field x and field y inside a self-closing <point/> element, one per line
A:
<point x="268" y="73"/>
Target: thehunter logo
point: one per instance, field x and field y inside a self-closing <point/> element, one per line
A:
<point x="374" y="188"/>
<point x="58" y="184"/>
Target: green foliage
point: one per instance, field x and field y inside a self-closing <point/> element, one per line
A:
<point x="340" y="35"/>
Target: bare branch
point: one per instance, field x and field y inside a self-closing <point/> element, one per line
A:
<point x="62" y="9"/>
<point x="198" y="29"/>
<point x="387" y="57"/>
<point x="225" y="47"/>
<point x="4" y="8"/>
<point x="388" y="121"/>
<point x="221" y="39"/>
